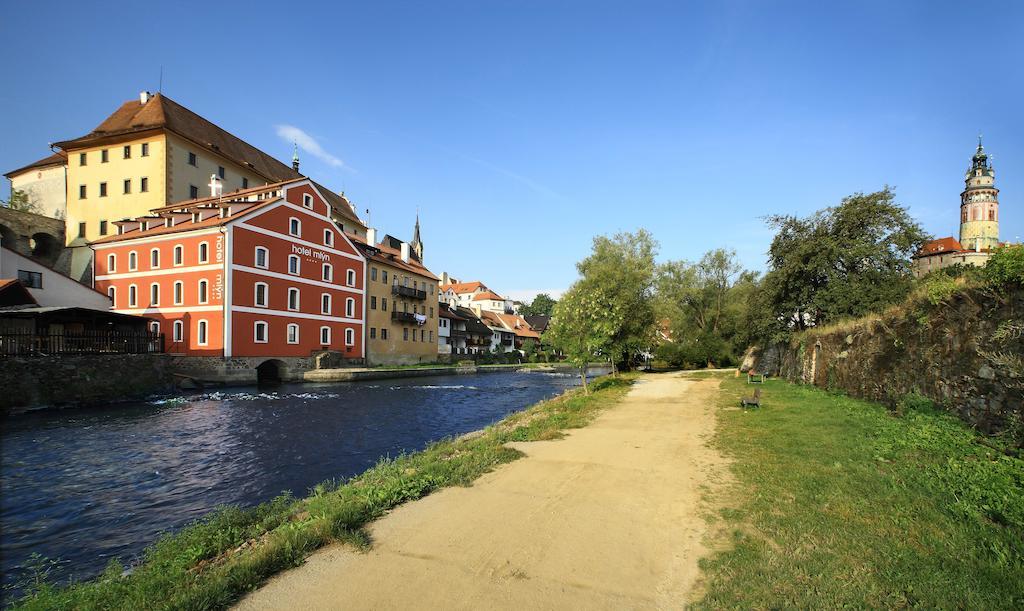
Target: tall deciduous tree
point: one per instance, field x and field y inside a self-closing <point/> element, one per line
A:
<point x="19" y="200"/>
<point x="542" y="305"/>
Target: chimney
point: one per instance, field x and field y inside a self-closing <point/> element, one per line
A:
<point x="216" y="188"/>
<point x="144" y="97"/>
<point x="405" y="252"/>
<point x="371" y="236"/>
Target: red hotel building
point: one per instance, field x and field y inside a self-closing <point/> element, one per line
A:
<point x="260" y="272"/>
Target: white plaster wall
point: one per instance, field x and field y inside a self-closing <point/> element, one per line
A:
<point x="58" y="290"/>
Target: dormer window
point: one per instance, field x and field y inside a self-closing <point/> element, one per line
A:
<point x="307" y="200"/>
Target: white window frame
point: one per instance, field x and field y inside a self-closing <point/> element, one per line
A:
<point x="288" y="333"/>
<point x="307" y="201"/>
<point x="111" y="263"/>
<point x="133" y="295"/>
<point x="204" y="257"/>
<point x="298" y="265"/>
<point x="256" y="257"/>
<point x="154" y="293"/>
<point x="154" y="327"/>
<point x="294" y="222"/>
<point x="325" y="339"/>
<point x="328" y="237"/>
<point x="298" y="296"/>
<point x="256" y="295"/>
<point x="178" y="258"/>
<point x="202" y="332"/>
<point x="203" y="291"/>
<point x="177" y="331"/>
<point x="327" y="273"/>
<point x="350" y="337"/>
<point x="112" y="294"/>
<point x="329" y="303"/>
<point x="350" y="277"/>
<point x="350" y="308"/>
<point x="179" y="292"/>
<point x="133" y="260"/>
<point x="154" y="258"/>
<point x="256" y="332"/>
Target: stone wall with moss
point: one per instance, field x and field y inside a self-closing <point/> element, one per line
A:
<point x="964" y="351"/>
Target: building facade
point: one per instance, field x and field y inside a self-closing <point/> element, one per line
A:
<point x="260" y="273"/>
<point x="44" y="182"/>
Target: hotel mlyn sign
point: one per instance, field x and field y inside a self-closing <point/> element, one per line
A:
<point x="253" y="273"/>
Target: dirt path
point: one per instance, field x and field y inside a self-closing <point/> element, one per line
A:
<point x="607" y="518"/>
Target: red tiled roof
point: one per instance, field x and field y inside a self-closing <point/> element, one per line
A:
<point x="391" y="256"/>
<point x="518" y="325"/>
<point x="464" y="287"/>
<point x="488" y="295"/>
<point x="940" y="246"/>
<point x="187" y="225"/>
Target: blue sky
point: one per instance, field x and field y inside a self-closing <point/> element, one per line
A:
<point x="522" y="129"/>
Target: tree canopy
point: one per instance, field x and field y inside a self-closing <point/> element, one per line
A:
<point x="542" y="305"/>
<point x="19" y="200"/>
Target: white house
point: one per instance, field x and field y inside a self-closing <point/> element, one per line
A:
<point x="47" y="287"/>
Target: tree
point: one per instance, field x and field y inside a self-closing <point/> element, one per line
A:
<point x="542" y="305"/>
<point x="843" y="261"/>
<point x="19" y="200"/>
<point x="578" y="328"/>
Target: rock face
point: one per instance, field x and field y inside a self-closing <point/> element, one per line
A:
<point x="965" y="354"/>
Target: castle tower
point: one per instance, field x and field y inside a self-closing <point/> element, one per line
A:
<point x="417" y="243"/>
<point x="979" y="204"/>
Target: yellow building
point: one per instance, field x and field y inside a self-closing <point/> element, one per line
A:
<point x="151" y="152"/>
<point x="401" y="304"/>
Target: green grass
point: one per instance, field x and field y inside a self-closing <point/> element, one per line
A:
<point x="840" y="503"/>
<point x="211" y="563"/>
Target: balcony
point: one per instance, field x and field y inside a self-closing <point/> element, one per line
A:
<point x="457" y="333"/>
<point x="405" y="291"/>
<point x="403" y="317"/>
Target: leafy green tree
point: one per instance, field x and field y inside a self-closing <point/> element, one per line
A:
<point x="542" y="305"/>
<point x="843" y="261"/>
<point x="19" y="200"/>
<point x="579" y="328"/>
<point x="1006" y="266"/>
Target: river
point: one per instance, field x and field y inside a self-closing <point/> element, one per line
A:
<point x="87" y="485"/>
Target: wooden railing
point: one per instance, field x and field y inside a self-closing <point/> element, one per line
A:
<point x="84" y="342"/>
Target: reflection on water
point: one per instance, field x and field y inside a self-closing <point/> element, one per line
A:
<point x="86" y="486"/>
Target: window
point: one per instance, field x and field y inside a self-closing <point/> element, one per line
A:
<point x="111" y="264"/>
<point x="192" y="159"/>
<point x="295" y="227"/>
<point x="262" y="254"/>
<point x="293" y="299"/>
<point x="384" y="276"/>
<point x="431" y="334"/>
<point x="177" y="331"/>
<point x="220" y="171"/>
<point x="373" y="274"/>
<point x="154" y="294"/>
<point x="325" y="336"/>
<point x="179" y="292"/>
<point x="383" y="304"/>
<point x="350" y="277"/>
<point x="81" y="159"/>
<point x="307" y="200"/>
<point x="203" y="291"/>
<point x="104" y="155"/>
<point x="154" y="258"/>
<point x="422" y="334"/>
<point x="259" y="332"/>
<point x="373" y="302"/>
<point x="145" y="149"/>
<point x="32" y="280"/>
<point x="328" y="272"/>
<point x="431" y="311"/>
<point x="154" y="328"/>
<point x="293" y="264"/>
<point x="350" y="307"/>
<point x="103" y="189"/>
<point x="328" y="237"/>
<point x="383" y="333"/>
<point x="128" y="151"/>
<point x="127" y="185"/>
<point x="431" y="289"/>
<point x="193" y="192"/>
<point x="260" y="297"/>
<point x="325" y="303"/>
<point x="81" y="191"/>
<point x="350" y="337"/>
<point x="132" y="294"/>
<point x="179" y="254"/>
<point x="103" y="228"/>
<point x="373" y="332"/>
<point x="405" y="334"/>
<point x="143" y="184"/>
<point x="133" y="262"/>
<point x="293" y="333"/>
<point x="245" y="182"/>
<point x="201" y="332"/>
<point x="204" y="252"/>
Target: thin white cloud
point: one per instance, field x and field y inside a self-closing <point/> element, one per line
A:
<point x="307" y="143"/>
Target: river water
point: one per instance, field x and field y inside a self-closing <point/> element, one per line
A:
<point x="84" y="486"/>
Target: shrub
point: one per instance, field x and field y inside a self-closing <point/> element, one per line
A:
<point x="1006" y="266"/>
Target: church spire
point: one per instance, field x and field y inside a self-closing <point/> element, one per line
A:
<point x="417" y="243"/>
<point x="295" y="156"/>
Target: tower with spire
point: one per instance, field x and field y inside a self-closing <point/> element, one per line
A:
<point x="417" y="243"/>
<point x="295" y="156"/>
<point x="979" y="204"/>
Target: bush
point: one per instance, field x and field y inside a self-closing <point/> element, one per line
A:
<point x="1006" y="266"/>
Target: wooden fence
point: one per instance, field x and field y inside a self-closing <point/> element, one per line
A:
<point x="84" y="342"/>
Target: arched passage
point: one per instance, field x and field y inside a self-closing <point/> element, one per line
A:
<point x="271" y="373"/>
<point x="45" y="247"/>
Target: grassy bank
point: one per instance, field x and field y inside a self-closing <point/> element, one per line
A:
<point x="839" y="502"/>
<point x="210" y="564"/>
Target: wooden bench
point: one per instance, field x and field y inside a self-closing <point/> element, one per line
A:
<point x="755" y="378"/>
<point x="754" y="400"/>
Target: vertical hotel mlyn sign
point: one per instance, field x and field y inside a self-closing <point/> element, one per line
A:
<point x="218" y="282"/>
